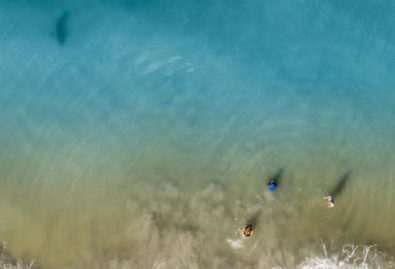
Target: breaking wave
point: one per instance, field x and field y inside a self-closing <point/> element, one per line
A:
<point x="350" y="257"/>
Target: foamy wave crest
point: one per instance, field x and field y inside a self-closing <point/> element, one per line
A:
<point x="235" y="243"/>
<point x="9" y="262"/>
<point x="350" y="257"/>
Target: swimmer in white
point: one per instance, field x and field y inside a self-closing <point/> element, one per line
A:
<point x="337" y="190"/>
<point x="331" y="201"/>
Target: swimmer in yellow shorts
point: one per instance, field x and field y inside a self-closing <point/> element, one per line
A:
<point x="248" y="230"/>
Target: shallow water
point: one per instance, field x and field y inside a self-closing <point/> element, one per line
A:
<point x="142" y="135"/>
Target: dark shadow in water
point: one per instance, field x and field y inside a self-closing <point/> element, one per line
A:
<point x="276" y="178"/>
<point x="341" y="184"/>
<point x="254" y="219"/>
<point x="61" y="28"/>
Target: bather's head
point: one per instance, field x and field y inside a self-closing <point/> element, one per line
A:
<point x="248" y="230"/>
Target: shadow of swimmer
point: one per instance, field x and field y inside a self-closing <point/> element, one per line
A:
<point x="275" y="180"/>
<point x="272" y="184"/>
<point x="337" y="189"/>
<point x="252" y="222"/>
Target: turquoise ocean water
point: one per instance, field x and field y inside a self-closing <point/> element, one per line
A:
<point x="145" y="138"/>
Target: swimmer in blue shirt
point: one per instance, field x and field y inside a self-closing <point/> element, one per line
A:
<point x="272" y="185"/>
<point x="274" y="181"/>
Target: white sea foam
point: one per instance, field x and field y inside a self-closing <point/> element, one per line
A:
<point x="361" y="257"/>
<point x="235" y="243"/>
<point x="8" y="262"/>
<point x="350" y="257"/>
